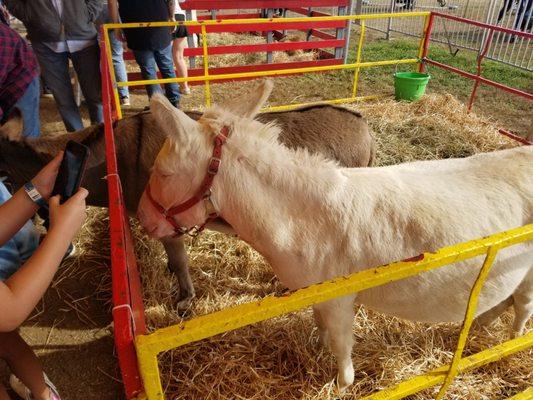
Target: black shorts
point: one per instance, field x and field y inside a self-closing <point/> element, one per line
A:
<point x="181" y="30"/>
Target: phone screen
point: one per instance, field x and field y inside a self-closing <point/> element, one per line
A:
<point x="71" y="170"/>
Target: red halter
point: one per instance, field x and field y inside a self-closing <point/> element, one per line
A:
<point x="203" y="193"/>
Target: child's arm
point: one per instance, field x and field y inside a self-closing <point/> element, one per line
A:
<point x="15" y="212"/>
<point x="22" y="291"/>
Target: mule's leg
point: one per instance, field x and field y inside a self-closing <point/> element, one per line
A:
<point x="488" y="317"/>
<point x="178" y="263"/>
<point x="337" y="316"/>
<point x="523" y="304"/>
<point x="322" y="328"/>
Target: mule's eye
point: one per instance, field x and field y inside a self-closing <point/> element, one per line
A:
<point x="163" y="174"/>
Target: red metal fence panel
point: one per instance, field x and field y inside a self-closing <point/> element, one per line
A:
<point x="128" y="310"/>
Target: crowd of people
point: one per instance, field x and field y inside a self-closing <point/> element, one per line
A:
<point x="59" y="33"/>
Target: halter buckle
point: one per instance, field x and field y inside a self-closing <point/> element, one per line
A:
<point x="214" y="165"/>
<point x="194" y="231"/>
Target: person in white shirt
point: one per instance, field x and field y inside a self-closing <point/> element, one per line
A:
<point x="179" y="44"/>
<point x="59" y="31"/>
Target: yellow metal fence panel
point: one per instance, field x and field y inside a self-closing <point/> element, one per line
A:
<point x="415" y="385"/>
<point x="207" y="77"/>
<point x="149" y="346"/>
<point x="469" y="317"/>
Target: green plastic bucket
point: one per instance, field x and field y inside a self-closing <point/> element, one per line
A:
<point x="410" y="86"/>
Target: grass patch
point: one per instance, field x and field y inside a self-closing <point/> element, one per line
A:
<point x="509" y="111"/>
<point x="465" y="60"/>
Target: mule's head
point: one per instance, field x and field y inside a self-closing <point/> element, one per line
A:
<point x="181" y="166"/>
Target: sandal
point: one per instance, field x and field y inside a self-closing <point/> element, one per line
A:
<point x="23" y="392"/>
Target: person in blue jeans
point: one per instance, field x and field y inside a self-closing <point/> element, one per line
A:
<point x="117" y="56"/>
<point x="150" y="46"/>
<point x="58" y="31"/>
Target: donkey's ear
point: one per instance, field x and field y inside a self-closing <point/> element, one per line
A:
<point x="175" y="123"/>
<point x="248" y="105"/>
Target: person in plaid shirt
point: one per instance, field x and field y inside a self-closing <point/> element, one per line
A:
<point x="19" y="81"/>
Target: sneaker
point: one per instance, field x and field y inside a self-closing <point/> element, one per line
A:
<point x="125" y="101"/>
<point x="46" y="92"/>
<point x="185" y="91"/>
<point x="23" y="392"/>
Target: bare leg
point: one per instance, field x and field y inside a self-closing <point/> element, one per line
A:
<point x="178" y="264"/>
<point x="488" y="317"/>
<point x="178" y="46"/>
<point x="337" y="316"/>
<point x="23" y="363"/>
<point x="523" y="304"/>
<point x="322" y="329"/>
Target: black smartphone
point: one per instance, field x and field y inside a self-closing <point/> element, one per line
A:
<point x="71" y="170"/>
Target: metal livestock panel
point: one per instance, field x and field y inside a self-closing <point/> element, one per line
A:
<point x="505" y="47"/>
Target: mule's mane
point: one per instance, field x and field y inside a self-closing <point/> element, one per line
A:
<point x="319" y="107"/>
<point x="288" y="169"/>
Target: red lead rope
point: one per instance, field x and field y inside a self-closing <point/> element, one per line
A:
<point x="204" y="192"/>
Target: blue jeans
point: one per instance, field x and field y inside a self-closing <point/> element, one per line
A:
<point x="118" y="63"/>
<point x="20" y="247"/>
<point x="54" y="67"/>
<point x="147" y="60"/>
<point x="117" y="51"/>
<point x="28" y="105"/>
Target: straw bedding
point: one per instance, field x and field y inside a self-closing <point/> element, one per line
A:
<point x="281" y="358"/>
<point x="221" y="39"/>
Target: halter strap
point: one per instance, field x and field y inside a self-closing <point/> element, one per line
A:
<point x="203" y="193"/>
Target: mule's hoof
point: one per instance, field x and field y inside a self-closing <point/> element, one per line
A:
<point x="515" y="334"/>
<point x="345" y="378"/>
<point x="185" y="303"/>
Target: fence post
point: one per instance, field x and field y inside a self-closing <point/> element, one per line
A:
<point x="389" y="21"/>
<point x="488" y="19"/>
<point x="348" y="32"/>
<point x="190" y="40"/>
<point x="340" y="34"/>
<point x="424" y="48"/>
<point x="270" y="35"/>
<point x="358" y="10"/>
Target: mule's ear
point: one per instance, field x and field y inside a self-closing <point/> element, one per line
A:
<point x="176" y="124"/>
<point x="248" y="105"/>
<point x="12" y="129"/>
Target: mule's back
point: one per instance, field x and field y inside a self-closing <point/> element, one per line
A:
<point x="336" y="132"/>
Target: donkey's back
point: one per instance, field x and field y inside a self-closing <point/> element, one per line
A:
<point x="335" y="132"/>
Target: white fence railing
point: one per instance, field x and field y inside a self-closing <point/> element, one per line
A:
<point x="513" y="14"/>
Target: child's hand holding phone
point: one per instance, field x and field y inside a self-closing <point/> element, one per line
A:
<point x="45" y="179"/>
<point x="66" y="219"/>
<point x="71" y="170"/>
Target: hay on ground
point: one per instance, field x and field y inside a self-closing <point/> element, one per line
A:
<point x="222" y="39"/>
<point x="281" y="358"/>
